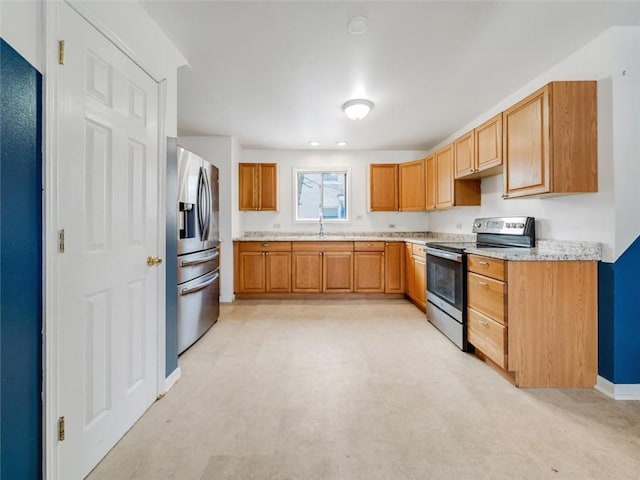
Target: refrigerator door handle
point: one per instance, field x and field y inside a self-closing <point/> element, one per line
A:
<point x="208" y="204"/>
<point x="201" y="209"/>
<point x="198" y="261"/>
<point x="200" y="286"/>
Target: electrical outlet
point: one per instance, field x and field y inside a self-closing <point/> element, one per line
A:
<point x="392" y="225"/>
<point x="276" y="225"/>
<point x="459" y="226"/>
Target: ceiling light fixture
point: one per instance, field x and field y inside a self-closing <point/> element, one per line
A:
<point x="357" y="109"/>
<point x="357" y="25"/>
<point x="341" y="143"/>
<point x="314" y="143"/>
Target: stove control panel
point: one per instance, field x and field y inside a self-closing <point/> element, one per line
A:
<point x="504" y="225"/>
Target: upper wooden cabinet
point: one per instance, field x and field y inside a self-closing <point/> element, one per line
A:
<point x="478" y="153"/>
<point x="464" y="155"/>
<point x="550" y="141"/>
<point x="258" y="186"/>
<point x="383" y="187"/>
<point x="450" y="192"/>
<point x="430" y="186"/>
<point x="412" y="186"/>
<point x="488" y="146"/>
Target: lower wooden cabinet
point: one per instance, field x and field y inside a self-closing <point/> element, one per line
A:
<point x="416" y="274"/>
<point x="318" y="267"/>
<point x="536" y="320"/>
<point x="394" y="267"/>
<point x="369" y="271"/>
<point x="263" y="267"/>
<point x="322" y="267"/>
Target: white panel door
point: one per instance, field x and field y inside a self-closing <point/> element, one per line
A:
<point x="107" y="181"/>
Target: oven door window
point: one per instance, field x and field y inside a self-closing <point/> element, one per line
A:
<point x="444" y="279"/>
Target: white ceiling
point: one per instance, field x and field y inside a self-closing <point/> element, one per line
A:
<point x="275" y="74"/>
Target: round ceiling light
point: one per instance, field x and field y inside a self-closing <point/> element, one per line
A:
<point x="341" y="143"/>
<point x="314" y="143"/>
<point x="357" y="25"/>
<point x="357" y="109"/>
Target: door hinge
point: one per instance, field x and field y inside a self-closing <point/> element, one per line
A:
<point x="61" y="429"/>
<point x="61" y="241"/>
<point x="61" y="52"/>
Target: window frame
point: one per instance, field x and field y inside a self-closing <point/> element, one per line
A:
<point x="336" y="170"/>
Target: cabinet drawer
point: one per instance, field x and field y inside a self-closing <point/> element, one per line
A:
<point x="487" y="336"/>
<point x="419" y="250"/>
<point x="368" y="246"/>
<point x="265" y="246"/>
<point x="487" y="296"/>
<point x="491" y="267"/>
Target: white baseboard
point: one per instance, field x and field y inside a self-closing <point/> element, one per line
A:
<point x="171" y="380"/>
<point x="618" y="391"/>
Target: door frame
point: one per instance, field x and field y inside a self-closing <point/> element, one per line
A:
<point x="50" y="37"/>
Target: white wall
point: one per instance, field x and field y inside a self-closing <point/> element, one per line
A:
<point x="21" y="27"/>
<point x="358" y="162"/>
<point x="587" y="217"/>
<point x="222" y="152"/>
<point x="626" y="135"/>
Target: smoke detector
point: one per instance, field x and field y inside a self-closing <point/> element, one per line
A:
<point x="357" y="25"/>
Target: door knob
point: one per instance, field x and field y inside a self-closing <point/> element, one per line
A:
<point x="151" y="261"/>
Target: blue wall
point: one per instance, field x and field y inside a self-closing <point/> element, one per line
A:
<point x="20" y="266"/>
<point x="619" y="318"/>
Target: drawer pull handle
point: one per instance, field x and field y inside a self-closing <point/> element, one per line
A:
<point x="265" y="244"/>
<point x="483" y="284"/>
<point x="368" y="244"/>
<point x="480" y="262"/>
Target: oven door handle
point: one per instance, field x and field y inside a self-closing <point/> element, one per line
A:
<point x="456" y="257"/>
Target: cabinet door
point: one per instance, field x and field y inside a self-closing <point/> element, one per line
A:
<point x="306" y="271"/>
<point x="337" y="272"/>
<point x="248" y="186"/>
<point x="464" y="155"/>
<point x="278" y="272"/>
<point x="444" y="177"/>
<point x="420" y="281"/>
<point x="488" y="144"/>
<point x="430" y="171"/>
<point x="526" y="146"/>
<point x="268" y="186"/>
<point x="394" y="267"/>
<point x="383" y="187"/>
<point x="408" y="269"/>
<point x="369" y="272"/>
<point x="412" y="186"/>
<point x="251" y="271"/>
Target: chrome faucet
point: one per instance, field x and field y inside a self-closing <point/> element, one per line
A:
<point x="321" y="232"/>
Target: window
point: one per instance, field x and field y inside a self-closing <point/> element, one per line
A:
<point x="321" y="192"/>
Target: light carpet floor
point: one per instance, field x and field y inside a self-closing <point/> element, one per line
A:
<point x="363" y="390"/>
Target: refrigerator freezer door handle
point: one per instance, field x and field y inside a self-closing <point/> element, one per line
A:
<point x="200" y="286"/>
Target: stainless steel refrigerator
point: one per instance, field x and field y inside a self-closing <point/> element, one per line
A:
<point x="198" y="273"/>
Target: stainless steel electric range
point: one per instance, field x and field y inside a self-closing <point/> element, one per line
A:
<point x="447" y="271"/>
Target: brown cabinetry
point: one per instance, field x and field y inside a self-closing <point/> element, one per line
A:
<point x="537" y="320"/>
<point x="258" y="186"/>
<point x="369" y="267"/>
<point x="479" y="152"/>
<point x="550" y="141"/>
<point x="412" y="186"/>
<point x="394" y="267"/>
<point x="263" y="267"/>
<point x="322" y="267"/>
<point x="416" y="275"/>
<point x="383" y="187"/>
<point x="430" y="182"/>
<point x="451" y="192"/>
